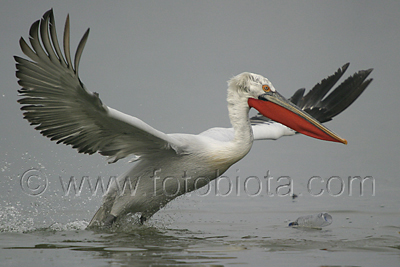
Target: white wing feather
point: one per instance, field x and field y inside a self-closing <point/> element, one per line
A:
<point x="261" y="131"/>
<point x="271" y="131"/>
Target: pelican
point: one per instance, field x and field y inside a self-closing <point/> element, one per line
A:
<point x="55" y="100"/>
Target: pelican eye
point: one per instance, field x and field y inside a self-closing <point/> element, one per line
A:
<point x="266" y="88"/>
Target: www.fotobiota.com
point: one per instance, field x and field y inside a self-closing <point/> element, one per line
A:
<point x="34" y="182"/>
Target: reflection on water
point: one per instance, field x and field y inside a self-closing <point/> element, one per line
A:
<point x="141" y="245"/>
<point x="134" y="245"/>
<point x="216" y="235"/>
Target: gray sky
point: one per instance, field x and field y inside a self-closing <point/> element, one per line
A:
<point x="167" y="62"/>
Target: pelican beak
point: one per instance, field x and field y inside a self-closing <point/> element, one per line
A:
<point x="274" y="106"/>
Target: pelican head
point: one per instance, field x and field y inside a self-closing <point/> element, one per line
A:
<point x="262" y="95"/>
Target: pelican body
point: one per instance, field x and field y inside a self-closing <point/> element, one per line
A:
<point x="168" y="165"/>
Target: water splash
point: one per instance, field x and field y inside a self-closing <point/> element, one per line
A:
<point x="76" y="225"/>
<point x="12" y="220"/>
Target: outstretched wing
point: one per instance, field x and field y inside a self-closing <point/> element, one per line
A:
<point x="55" y="99"/>
<point x="316" y="104"/>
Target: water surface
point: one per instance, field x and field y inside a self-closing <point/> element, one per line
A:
<point x="196" y="231"/>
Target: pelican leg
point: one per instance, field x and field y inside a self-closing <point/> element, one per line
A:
<point x="108" y="222"/>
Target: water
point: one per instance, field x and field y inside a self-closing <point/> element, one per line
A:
<point x="195" y="231"/>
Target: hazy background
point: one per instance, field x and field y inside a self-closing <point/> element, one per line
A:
<point x="167" y="63"/>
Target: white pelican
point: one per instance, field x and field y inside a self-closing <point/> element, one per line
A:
<point x="55" y="99"/>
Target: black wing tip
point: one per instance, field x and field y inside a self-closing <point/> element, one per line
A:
<point x="349" y="90"/>
<point x="324" y="107"/>
<point x="314" y="96"/>
<point x="297" y="96"/>
<point x="368" y="81"/>
<point x="368" y="71"/>
<point x="345" y="66"/>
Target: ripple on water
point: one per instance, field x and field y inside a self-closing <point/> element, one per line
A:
<point x="133" y="244"/>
